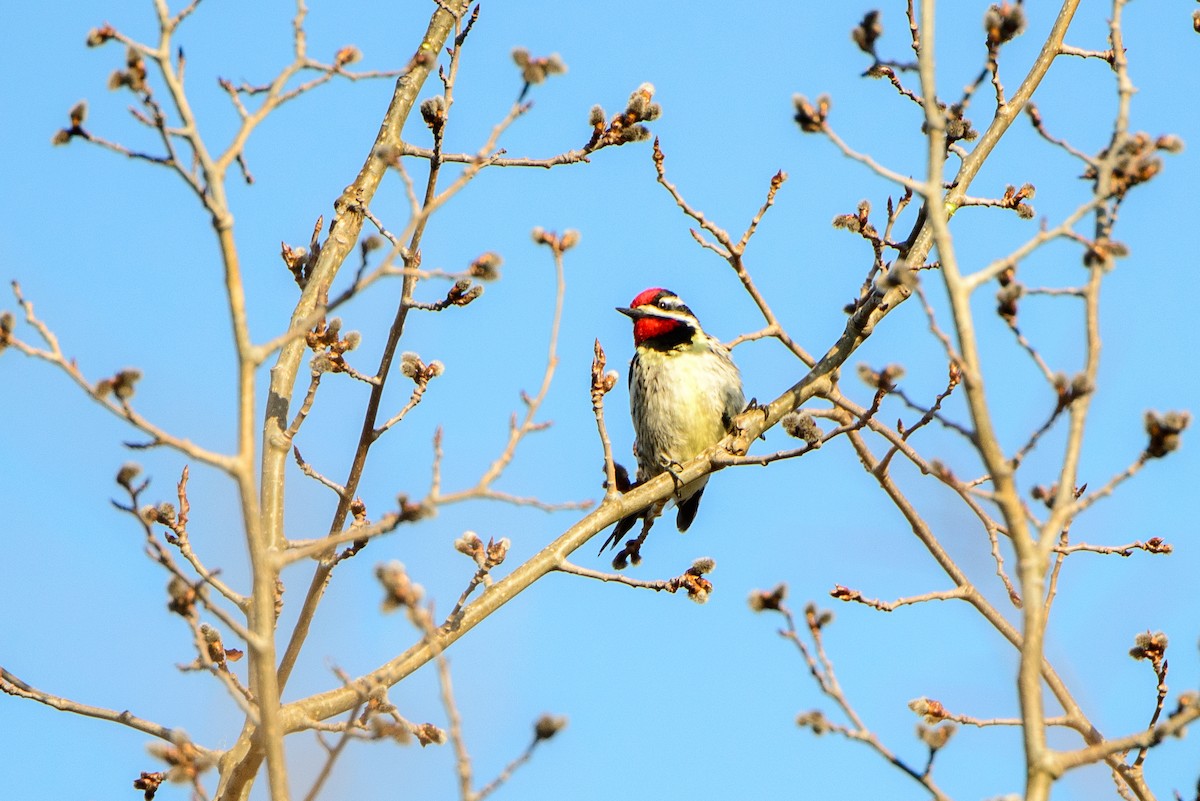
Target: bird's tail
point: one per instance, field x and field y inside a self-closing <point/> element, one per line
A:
<point x="687" y="510"/>
<point x="620" y="530"/>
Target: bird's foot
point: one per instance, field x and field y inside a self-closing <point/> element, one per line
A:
<point x="631" y="553"/>
<point x="673" y="467"/>
<point x="753" y="406"/>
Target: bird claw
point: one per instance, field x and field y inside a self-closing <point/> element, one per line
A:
<point x="672" y="468"/>
<point x="632" y="552"/>
<point x="753" y="406"/>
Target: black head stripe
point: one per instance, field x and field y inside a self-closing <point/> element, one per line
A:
<point x="661" y="296"/>
<point x="669" y="301"/>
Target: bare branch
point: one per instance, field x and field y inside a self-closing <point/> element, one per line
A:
<point x="101" y="391"/>
<point x="13" y="685"/>
<point x="692" y="580"/>
<point x="847" y="594"/>
<point x="308" y="470"/>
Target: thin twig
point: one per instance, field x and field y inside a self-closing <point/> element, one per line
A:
<point x="120" y="407"/>
<point x="671" y="585"/>
<point x="13" y="685"/>
<point x="1111" y="485"/>
<point x="518" y="431"/>
<point x="847" y="594"/>
<point x="602" y="383"/>
<point x="733" y="252"/>
<point x="331" y="756"/>
<point x="820" y="666"/>
<point x="1160" y="673"/>
<point x="308" y="470"/>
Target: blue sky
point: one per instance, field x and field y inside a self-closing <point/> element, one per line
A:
<point x="663" y="696"/>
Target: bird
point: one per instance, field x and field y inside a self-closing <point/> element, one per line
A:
<point x="684" y="391"/>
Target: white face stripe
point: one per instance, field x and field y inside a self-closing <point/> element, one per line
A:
<point x="670" y="307"/>
<point x="664" y="314"/>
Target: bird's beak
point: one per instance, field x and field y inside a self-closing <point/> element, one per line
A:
<point x="633" y="314"/>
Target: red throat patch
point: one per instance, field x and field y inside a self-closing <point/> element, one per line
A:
<point x="646" y="328"/>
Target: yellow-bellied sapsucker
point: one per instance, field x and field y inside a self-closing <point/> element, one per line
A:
<point x="684" y="391"/>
